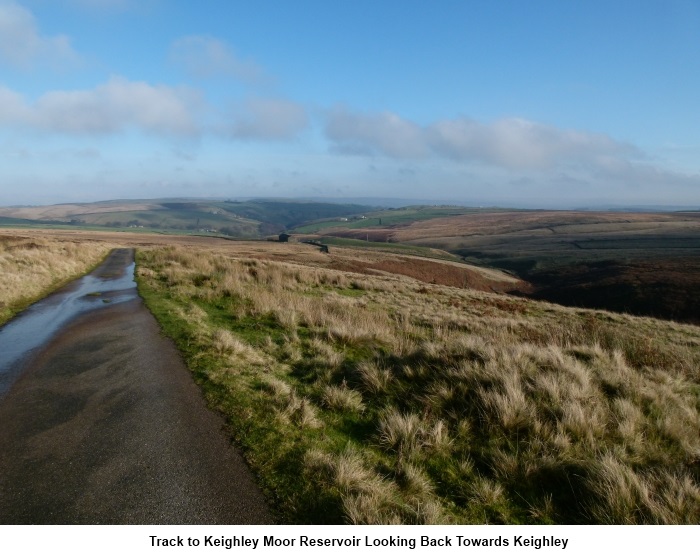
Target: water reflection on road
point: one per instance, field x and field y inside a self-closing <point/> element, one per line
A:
<point x="29" y="331"/>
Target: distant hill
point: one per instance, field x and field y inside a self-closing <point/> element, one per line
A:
<point x="639" y="263"/>
<point x="249" y="219"/>
<point x="289" y="213"/>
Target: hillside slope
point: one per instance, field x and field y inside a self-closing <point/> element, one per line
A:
<point x="399" y="401"/>
<point x="249" y="219"/>
<point x="644" y="263"/>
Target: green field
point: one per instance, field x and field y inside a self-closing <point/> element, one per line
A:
<point x="368" y="398"/>
<point x="193" y="219"/>
<point x="288" y="214"/>
<point x="397" y="248"/>
<point x="387" y="218"/>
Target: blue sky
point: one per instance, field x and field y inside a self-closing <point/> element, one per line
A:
<point x="539" y="103"/>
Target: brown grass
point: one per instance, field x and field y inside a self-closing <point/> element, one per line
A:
<point x="31" y="266"/>
<point x="466" y="406"/>
<point x="504" y="222"/>
<point x="415" y="402"/>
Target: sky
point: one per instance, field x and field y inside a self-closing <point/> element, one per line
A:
<point x="552" y="104"/>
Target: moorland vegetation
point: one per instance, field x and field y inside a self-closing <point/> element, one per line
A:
<point x="643" y="263"/>
<point x="380" y="398"/>
<point x="365" y="392"/>
<point x="31" y="266"/>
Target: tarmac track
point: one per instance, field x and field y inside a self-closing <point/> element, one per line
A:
<point x="105" y="426"/>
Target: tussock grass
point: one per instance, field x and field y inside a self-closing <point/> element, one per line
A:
<point x="368" y="498"/>
<point x="33" y="266"/>
<point x="342" y="398"/>
<point x="402" y="433"/>
<point x="401" y="402"/>
<point x="375" y="379"/>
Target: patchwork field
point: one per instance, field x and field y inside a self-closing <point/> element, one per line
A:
<point x="241" y="219"/>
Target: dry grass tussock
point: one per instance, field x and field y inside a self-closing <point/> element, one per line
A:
<point x="367" y="497"/>
<point x="411" y="403"/>
<point x="30" y="266"/>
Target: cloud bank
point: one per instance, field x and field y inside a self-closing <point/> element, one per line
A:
<point x="120" y="105"/>
<point x="510" y="143"/>
<point x="112" y="107"/>
<point x="384" y="133"/>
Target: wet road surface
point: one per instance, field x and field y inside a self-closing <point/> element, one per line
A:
<point x="112" y="282"/>
<point x="103" y="425"/>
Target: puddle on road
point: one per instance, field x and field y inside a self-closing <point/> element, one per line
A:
<point x="30" y="330"/>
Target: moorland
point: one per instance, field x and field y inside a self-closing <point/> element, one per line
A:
<point x="637" y="263"/>
<point x="643" y="263"/>
<point x="405" y="385"/>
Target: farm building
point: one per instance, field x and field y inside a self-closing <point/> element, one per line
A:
<point x="286" y="238"/>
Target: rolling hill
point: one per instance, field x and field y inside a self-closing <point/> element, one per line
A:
<point x="248" y="219"/>
<point x="642" y="263"/>
<point x="638" y="263"/>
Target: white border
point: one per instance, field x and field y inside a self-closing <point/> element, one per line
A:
<point x="133" y="540"/>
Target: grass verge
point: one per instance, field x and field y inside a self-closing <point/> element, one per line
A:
<point x="407" y="403"/>
<point x="33" y="267"/>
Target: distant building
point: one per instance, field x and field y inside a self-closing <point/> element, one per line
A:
<point x="285" y="238"/>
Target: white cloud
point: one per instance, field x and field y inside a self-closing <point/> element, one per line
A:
<point x="13" y="109"/>
<point x="514" y="156"/>
<point x="204" y="56"/>
<point x="386" y="133"/>
<point x="620" y="171"/>
<point x="22" y="45"/>
<point x="520" y="144"/>
<point x="275" y="119"/>
<point x="114" y="106"/>
<point x="120" y="104"/>
<point x="510" y="143"/>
